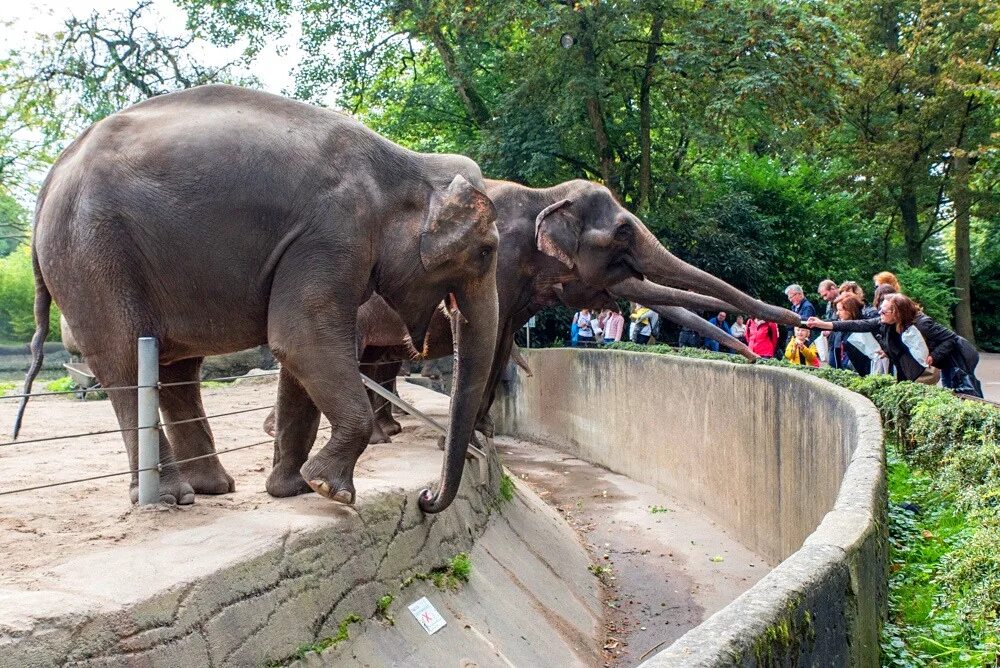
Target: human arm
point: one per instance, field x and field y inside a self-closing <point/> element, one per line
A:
<point x="810" y="354"/>
<point x="871" y="326"/>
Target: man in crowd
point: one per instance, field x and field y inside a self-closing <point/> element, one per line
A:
<point x="829" y="292"/>
<point x="802" y="306"/>
<point x="720" y="322"/>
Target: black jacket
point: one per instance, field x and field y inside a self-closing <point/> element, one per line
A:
<point x="946" y="347"/>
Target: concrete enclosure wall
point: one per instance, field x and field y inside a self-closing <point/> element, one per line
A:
<point x="791" y="465"/>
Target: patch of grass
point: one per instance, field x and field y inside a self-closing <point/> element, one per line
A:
<point x="447" y="577"/>
<point x="320" y="645"/>
<point x="507" y="488"/>
<point x="599" y="571"/>
<point x="64" y="384"/>
<point x="216" y="384"/>
<point x="7" y="387"/>
<point x="461" y="566"/>
<point x="382" y="609"/>
<point x="659" y="509"/>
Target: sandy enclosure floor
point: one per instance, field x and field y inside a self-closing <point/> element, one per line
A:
<point x="39" y="529"/>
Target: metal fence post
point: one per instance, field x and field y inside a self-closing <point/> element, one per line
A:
<point x="149" y="418"/>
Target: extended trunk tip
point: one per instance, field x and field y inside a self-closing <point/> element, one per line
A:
<point x="430" y="502"/>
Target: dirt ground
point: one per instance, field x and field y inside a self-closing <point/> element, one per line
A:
<point x="39" y="529"/>
<point x="665" y="566"/>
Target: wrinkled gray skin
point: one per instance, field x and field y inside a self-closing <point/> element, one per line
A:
<point x="574" y="244"/>
<point x="219" y="218"/>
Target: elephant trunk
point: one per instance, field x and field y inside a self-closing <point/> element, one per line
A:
<point x="662" y="266"/>
<point x="652" y="294"/>
<point x="476" y="333"/>
<point x="705" y="328"/>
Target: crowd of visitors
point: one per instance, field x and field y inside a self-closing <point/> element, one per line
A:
<point x="890" y="335"/>
<point x="609" y="326"/>
<point x="587" y="330"/>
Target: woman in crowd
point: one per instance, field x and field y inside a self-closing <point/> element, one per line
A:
<point x="739" y="329"/>
<point x="852" y="287"/>
<point x="862" y="348"/>
<point x="614" y="323"/>
<point x="887" y="278"/>
<point x="916" y="345"/>
<point x="800" y="350"/>
<point x="644" y="320"/>
<point x="585" y="328"/>
<point x="880" y="293"/>
<point x="762" y="337"/>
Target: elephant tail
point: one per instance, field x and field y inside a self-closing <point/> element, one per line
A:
<point x="43" y="303"/>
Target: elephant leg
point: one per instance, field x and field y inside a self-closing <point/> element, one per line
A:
<point x="191" y="439"/>
<point x="294" y="421"/>
<point x="335" y="388"/>
<point x="118" y="368"/>
<point x="379" y="433"/>
<point x="386" y="376"/>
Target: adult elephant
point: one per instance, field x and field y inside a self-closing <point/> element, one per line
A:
<point x="220" y="218"/>
<point x="574" y="244"/>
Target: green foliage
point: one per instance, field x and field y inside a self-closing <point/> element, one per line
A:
<point x="451" y="576"/>
<point x="932" y="620"/>
<point x="64" y="384"/>
<point x="320" y="645"/>
<point x="929" y="288"/>
<point x="507" y="488"/>
<point x="382" y="608"/>
<point x="461" y="566"/>
<point x="17" y="298"/>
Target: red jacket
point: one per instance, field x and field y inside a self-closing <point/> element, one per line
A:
<point x="763" y="338"/>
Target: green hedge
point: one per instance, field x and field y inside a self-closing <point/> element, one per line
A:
<point x="956" y="444"/>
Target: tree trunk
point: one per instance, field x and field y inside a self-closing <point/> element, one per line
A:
<point x="645" y="143"/>
<point x="909" y="222"/>
<point x="474" y="104"/>
<point x="595" y="111"/>
<point x="961" y="200"/>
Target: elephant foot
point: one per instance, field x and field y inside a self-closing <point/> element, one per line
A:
<point x="173" y="492"/>
<point x="378" y="436"/>
<point x="282" y="483"/>
<point x="486" y="426"/>
<point x="330" y="479"/>
<point x="207" y="478"/>
<point x="388" y="425"/>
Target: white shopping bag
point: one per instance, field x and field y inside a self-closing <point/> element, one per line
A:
<point x="914" y="340"/>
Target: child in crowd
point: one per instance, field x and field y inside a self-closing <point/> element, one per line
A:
<point x="800" y="350"/>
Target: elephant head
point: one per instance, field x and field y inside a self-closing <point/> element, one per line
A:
<point x="458" y="243"/>
<point x="588" y="231"/>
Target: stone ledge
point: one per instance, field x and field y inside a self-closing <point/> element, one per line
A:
<point x="288" y="581"/>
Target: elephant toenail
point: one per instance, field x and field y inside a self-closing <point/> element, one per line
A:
<point x="344" y="496"/>
<point x="321" y="487"/>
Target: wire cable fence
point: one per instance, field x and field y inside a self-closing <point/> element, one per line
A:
<point x="149" y="433"/>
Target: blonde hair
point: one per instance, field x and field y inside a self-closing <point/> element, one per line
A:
<point x="887" y="278"/>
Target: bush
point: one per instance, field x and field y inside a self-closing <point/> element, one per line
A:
<point x="933" y="290"/>
<point x="17" y="298"/>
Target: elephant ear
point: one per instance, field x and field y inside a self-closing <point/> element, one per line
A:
<point x="457" y="218"/>
<point x="557" y="232"/>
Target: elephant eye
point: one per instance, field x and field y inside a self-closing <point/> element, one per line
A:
<point x="485" y="252"/>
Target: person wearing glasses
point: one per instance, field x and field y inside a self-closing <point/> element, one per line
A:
<point x="917" y="346"/>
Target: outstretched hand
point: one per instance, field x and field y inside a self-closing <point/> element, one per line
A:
<point x="815" y="323"/>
